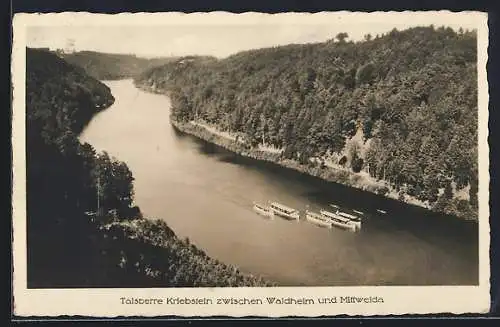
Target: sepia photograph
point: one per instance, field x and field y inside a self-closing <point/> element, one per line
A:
<point x="218" y="163"/>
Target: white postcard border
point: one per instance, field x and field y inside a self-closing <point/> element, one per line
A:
<point x="106" y="302"/>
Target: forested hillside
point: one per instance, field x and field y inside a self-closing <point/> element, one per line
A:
<point x="72" y="243"/>
<point x="397" y="110"/>
<point x="107" y="66"/>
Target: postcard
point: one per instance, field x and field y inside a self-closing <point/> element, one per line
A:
<point x="263" y="165"/>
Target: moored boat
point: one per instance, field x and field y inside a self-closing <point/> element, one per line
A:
<point x="262" y="210"/>
<point x="336" y="207"/>
<point x="339" y="221"/>
<point x="354" y="219"/>
<point x="318" y="219"/>
<point x="284" y="211"/>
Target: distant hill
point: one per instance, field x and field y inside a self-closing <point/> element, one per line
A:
<point x="107" y="66"/>
<point x="59" y="96"/>
<point x="397" y="110"/>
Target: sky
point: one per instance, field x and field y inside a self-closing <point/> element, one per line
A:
<point x="218" y="34"/>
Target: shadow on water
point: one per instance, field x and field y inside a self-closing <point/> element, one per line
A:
<point x="435" y="228"/>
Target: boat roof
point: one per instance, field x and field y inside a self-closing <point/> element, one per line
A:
<point x="312" y="213"/>
<point x="348" y="211"/>
<point x="334" y="215"/>
<point x="276" y="204"/>
<point x="319" y="216"/>
<point x="345" y="214"/>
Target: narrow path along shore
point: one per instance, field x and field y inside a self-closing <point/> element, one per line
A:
<point x="328" y="173"/>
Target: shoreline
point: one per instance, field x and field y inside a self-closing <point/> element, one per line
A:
<point x="327" y="174"/>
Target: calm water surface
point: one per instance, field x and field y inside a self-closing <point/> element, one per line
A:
<point x="206" y="194"/>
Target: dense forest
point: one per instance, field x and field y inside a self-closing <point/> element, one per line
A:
<point x="108" y="66"/>
<point x="83" y="227"/>
<point x="398" y="109"/>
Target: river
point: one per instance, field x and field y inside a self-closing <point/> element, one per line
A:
<point x="205" y="193"/>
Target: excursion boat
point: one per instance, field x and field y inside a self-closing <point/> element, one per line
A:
<point x="381" y="211"/>
<point x="284" y="211"/>
<point x="354" y="219"/>
<point x="318" y="219"/>
<point x="262" y="210"/>
<point x="338" y="220"/>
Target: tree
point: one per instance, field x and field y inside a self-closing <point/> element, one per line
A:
<point x="448" y="191"/>
<point x="473" y="193"/>
<point x="342" y="36"/>
<point x="357" y="165"/>
<point x="343" y="161"/>
<point x="122" y="186"/>
<point x="365" y="74"/>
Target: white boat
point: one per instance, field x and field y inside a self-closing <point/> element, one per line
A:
<point x="381" y="211"/>
<point x="358" y="212"/>
<point x="318" y="219"/>
<point x="339" y="220"/>
<point x="262" y="210"/>
<point x="354" y="219"/>
<point x="284" y="211"/>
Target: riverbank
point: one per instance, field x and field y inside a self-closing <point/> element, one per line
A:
<point x="328" y="173"/>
